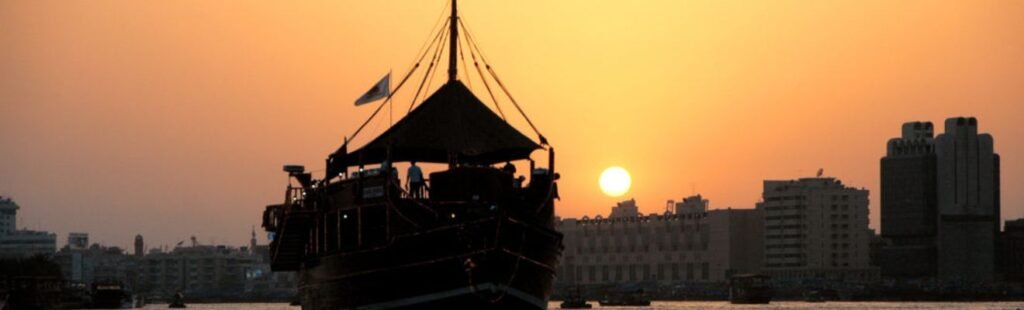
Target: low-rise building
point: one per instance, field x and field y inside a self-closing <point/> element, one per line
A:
<point x="1013" y="250"/>
<point x="698" y="245"/>
<point x="16" y="243"/>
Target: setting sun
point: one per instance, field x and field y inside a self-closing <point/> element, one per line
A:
<point x="614" y="181"/>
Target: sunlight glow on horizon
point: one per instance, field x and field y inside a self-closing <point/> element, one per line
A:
<point x="615" y="181"/>
<point x="186" y="110"/>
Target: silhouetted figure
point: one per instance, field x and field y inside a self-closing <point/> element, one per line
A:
<point x="415" y="176"/>
<point x="519" y="182"/>
<point x="509" y="167"/>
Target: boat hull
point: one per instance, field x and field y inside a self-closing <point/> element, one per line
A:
<point x="490" y="263"/>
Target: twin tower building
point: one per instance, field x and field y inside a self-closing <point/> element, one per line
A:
<point x="940" y="204"/>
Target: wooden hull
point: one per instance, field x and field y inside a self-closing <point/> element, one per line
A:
<point x="489" y="263"/>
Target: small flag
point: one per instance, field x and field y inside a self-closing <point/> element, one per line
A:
<point x="380" y="90"/>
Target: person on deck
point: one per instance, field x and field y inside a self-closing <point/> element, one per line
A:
<point x="415" y="179"/>
<point x="509" y="168"/>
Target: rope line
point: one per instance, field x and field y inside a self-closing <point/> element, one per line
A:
<point x="440" y="52"/>
<point x="494" y="75"/>
<point x="483" y="78"/>
<point x="433" y="61"/>
<point x="462" y="55"/>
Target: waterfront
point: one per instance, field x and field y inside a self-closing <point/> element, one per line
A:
<point x="672" y="305"/>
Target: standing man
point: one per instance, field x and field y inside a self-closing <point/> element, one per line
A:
<point x="415" y="176"/>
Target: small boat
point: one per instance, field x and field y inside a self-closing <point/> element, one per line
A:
<point x="750" y="289"/>
<point x="575" y="301"/>
<point x="632" y="297"/>
<point x="814" y="296"/>
<point x="178" y="301"/>
<point x="107" y="295"/>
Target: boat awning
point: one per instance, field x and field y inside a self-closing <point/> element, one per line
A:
<point x="451" y="122"/>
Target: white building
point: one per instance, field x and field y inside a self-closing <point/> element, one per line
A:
<point x="698" y="246"/>
<point x="21" y="243"/>
<point x="816" y="228"/>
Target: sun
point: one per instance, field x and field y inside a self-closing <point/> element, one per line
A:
<point x="614" y="181"/>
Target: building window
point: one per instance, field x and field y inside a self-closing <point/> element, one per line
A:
<point x="689" y="271"/>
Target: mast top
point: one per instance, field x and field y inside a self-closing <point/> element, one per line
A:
<point x="453" y="43"/>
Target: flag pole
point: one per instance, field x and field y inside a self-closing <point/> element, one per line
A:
<point x="391" y="121"/>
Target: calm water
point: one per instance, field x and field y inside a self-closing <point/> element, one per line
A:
<point x="701" y="305"/>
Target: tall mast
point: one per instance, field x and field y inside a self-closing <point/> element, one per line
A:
<point x="453" y="43"/>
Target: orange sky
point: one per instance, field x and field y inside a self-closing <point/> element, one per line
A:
<point x="173" y="119"/>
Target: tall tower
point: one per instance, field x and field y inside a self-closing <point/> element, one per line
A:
<point x="140" y="247"/>
<point x="968" y="202"/>
<point x="252" y="242"/>
<point x="909" y="206"/>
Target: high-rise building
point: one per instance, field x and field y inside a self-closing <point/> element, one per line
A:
<point x="909" y="204"/>
<point x="967" y="182"/>
<point x="940" y="203"/>
<point x="816" y="228"/>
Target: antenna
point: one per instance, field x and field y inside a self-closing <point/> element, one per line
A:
<point x="453" y="43"/>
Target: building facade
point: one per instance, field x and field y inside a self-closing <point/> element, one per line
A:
<point x="625" y="209"/>
<point x="816" y="229"/>
<point x="16" y="243"/>
<point x="697" y="246"/>
<point x="909" y="217"/>
<point x="1013" y="250"/>
<point x="968" y="202"/>
<point x="8" y="215"/>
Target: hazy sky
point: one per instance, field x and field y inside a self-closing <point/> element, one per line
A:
<point x="173" y="118"/>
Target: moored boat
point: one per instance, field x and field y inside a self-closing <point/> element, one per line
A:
<point x="475" y="238"/>
<point x="750" y="289"/>
<point x="626" y="297"/>
<point x="575" y="301"/>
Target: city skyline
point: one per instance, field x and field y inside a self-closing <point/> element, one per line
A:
<point x="175" y="119"/>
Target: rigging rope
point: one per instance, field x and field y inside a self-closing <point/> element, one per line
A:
<point x="462" y="55"/>
<point x="483" y="78"/>
<point x="440" y="52"/>
<point x="494" y="75"/>
<point x="433" y="60"/>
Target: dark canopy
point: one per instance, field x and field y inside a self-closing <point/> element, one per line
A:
<point x="452" y="121"/>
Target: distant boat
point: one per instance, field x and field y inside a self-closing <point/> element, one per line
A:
<point x="630" y="297"/>
<point x="107" y="295"/>
<point x="814" y="296"/>
<point x="575" y="301"/>
<point x="750" y="289"/>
